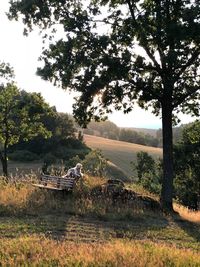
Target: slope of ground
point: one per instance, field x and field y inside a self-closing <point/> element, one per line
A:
<point x="38" y="228"/>
<point x="120" y="153"/>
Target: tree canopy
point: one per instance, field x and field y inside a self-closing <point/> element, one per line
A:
<point x="119" y="52"/>
<point x="20" y="114"/>
<point x="187" y="166"/>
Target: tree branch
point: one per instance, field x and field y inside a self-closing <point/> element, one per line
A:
<point x="190" y="61"/>
<point x="185" y="96"/>
<point x="145" y="45"/>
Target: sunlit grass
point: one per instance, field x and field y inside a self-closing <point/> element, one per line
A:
<point x="37" y="227"/>
<point x="185" y="213"/>
<point x="23" y="198"/>
<point x="38" y="250"/>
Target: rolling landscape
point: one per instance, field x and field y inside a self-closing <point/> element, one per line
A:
<point x="120" y="153"/>
<point x="44" y="228"/>
<point x="76" y="189"/>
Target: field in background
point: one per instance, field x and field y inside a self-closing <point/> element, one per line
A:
<point x="23" y="168"/>
<point x="120" y="153"/>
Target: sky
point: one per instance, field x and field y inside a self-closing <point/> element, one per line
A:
<point x="22" y="54"/>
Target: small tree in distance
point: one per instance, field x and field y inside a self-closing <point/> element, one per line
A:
<point x="20" y="118"/>
<point x="97" y="57"/>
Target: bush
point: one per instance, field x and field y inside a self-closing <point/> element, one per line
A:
<point x="95" y="164"/>
<point x="72" y="162"/>
<point x="149" y="172"/>
<point x="23" y="155"/>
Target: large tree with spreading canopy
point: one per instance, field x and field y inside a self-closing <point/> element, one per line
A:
<point x="116" y="53"/>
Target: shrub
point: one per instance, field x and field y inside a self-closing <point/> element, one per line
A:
<point x="23" y="155"/>
<point x="94" y="163"/>
<point x="149" y="172"/>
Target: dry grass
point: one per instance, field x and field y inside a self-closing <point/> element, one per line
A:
<point x="189" y="215"/>
<point x="22" y="198"/>
<point x="41" y="251"/>
<point x="120" y="153"/>
<point x="36" y="229"/>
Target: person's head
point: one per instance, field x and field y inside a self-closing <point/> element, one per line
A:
<point x="78" y="166"/>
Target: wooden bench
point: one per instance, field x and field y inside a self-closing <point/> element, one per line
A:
<point x="56" y="183"/>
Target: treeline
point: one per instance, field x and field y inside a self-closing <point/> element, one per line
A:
<point x="108" y="129"/>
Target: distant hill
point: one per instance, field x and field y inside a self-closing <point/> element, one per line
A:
<point x="120" y="153"/>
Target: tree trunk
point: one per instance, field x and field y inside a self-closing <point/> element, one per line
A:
<point x="4" y="164"/>
<point x="167" y="184"/>
<point x="5" y="167"/>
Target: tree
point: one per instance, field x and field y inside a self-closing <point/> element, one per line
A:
<point x="20" y="117"/>
<point x="148" y="171"/>
<point x="187" y="166"/>
<point x="119" y="52"/>
<point x="105" y="129"/>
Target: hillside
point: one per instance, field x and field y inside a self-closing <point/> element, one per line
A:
<point x="120" y="153"/>
<point x="40" y="228"/>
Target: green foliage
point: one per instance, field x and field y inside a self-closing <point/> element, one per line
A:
<point x="20" y="115"/>
<point x="131" y="136"/>
<point x="72" y="162"/>
<point x="110" y="130"/>
<point x="62" y="144"/>
<point x="94" y="163"/>
<point x="187" y="167"/>
<point x="145" y="164"/>
<point x="149" y="172"/>
<point x="20" y="118"/>
<point x="6" y="73"/>
<point x="166" y="29"/>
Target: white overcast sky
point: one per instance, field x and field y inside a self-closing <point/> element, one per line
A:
<point x="23" y="52"/>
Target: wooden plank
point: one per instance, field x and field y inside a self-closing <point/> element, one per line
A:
<point x="47" y="187"/>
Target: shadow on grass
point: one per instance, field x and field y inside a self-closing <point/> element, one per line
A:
<point x="76" y="217"/>
<point x="79" y="217"/>
<point x="192" y="229"/>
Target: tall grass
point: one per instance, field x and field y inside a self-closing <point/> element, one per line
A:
<point x="185" y="213"/>
<point x="29" y="244"/>
<point x="41" y="251"/>
<point x="20" y="198"/>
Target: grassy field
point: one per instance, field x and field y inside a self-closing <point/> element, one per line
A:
<point x="120" y="153"/>
<point x="21" y="169"/>
<point x="39" y="228"/>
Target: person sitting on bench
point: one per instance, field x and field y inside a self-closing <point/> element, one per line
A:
<point x="74" y="172"/>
